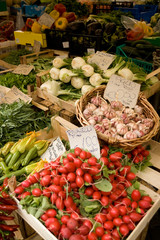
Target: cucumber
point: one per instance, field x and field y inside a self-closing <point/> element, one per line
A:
<point x="145" y="42"/>
<point x="146" y="47"/>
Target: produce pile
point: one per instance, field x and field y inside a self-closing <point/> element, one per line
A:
<point x="69" y="78"/>
<point x="14" y="56"/>
<point x="7" y="206"/>
<point x="17" y="119"/>
<point x="117" y="121"/>
<point x="80" y="197"/>
<point x="20" y="158"/>
<point x="41" y="64"/>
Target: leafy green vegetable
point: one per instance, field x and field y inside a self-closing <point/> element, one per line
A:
<point x="104" y="185"/>
<point x="17" y="119"/>
<point x="41" y="64"/>
<point x="14" y="56"/>
<point x="88" y="207"/>
<point x="20" y="81"/>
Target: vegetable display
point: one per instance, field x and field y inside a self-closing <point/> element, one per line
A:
<point x="7" y="206"/>
<point x="13" y="57"/>
<point x="41" y="64"/>
<point x="117" y="121"/>
<point x="81" y="197"/>
<point x="21" y="157"/>
<point x="17" y="119"/>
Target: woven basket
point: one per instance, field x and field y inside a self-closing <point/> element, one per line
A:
<point x="125" y="144"/>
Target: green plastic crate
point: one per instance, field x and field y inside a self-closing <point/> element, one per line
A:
<point x="146" y="65"/>
<point x="154" y="40"/>
<point x="3" y="6"/>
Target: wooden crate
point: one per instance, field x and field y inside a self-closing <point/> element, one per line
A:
<point x="29" y="58"/>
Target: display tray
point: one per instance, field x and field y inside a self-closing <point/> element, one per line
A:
<point x="149" y="181"/>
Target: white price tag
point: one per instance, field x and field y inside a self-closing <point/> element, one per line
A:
<point x="65" y="44"/>
<point x="120" y="89"/>
<point x="23" y="69"/>
<point x="91" y="50"/>
<point x="85" y="138"/>
<point x="46" y="20"/>
<point x="102" y="59"/>
<point x="55" y="150"/>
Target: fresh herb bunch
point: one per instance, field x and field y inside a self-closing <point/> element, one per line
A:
<point x="20" y="81"/>
<point x="17" y="119"/>
<point x="13" y="57"/>
<point x="42" y="64"/>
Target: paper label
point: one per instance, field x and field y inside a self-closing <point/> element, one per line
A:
<point x="55" y="150"/>
<point x="91" y="50"/>
<point x="37" y="46"/>
<point x="120" y="89"/>
<point x="23" y="69"/>
<point x="85" y="138"/>
<point x="46" y="20"/>
<point x="65" y="44"/>
<point x="102" y="59"/>
<point x="3" y="91"/>
<point x="14" y="94"/>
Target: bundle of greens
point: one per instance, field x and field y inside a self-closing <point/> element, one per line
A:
<point x="20" y="81"/>
<point x="13" y="57"/>
<point x="41" y="64"/>
<point x="17" y="119"/>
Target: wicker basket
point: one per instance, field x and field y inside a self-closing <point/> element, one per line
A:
<point x="125" y="144"/>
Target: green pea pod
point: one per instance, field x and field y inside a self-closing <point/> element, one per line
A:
<point x="14" y="158"/>
<point x="8" y="158"/>
<point x="30" y="155"/>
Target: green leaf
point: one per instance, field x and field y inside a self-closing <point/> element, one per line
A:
<point x="104" y="185"/>
<point x="136" y="185"/>
<point x="133" y="169"/>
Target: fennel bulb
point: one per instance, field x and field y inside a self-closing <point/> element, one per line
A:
<point x="54" y="88"/>
<point x="88" y="70"/>
<point x="109" y="72"/>
<point x="58" y="62"/>
<point x="153" y="80"/>
<point x="96" y="80"/>
<point x="77" y="82"/>
<point x="86" y="88"/>
<point x="54" y="72"/>
<point x="65" y="75"/>
<point x="126" y="73"/>
<point x="77" y="62"/>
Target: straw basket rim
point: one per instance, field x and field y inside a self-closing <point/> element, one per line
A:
<point x="125" y="144"/>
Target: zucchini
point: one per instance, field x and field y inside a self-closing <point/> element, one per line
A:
<point x="145" y="42"/>
<point x="146" y="47"/>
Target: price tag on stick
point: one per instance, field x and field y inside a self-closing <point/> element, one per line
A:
<point x="55" y="149"/>
<point x="120" y="89"/>
<point x="23" y="69"/>
<point x="85" y="138"/>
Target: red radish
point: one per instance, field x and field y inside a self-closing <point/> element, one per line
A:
<point x="107" y="236"/>
<point x="126" y="169"/>
<point x="104" y="201"/>
<point x="144" y="204"/>
<point x="46" y="192"/>
<point x="122" y="210"/>
<point x="71" y="177"/>
<point x="76" y="237"/>
<point x="77" y="151"/>
<point x="33" y="179"/>
<point x="19" y="190"/>
<point x="55" y="188"/>
<point x="36" y="192"/>
<point x="131" y="226"/>
<point x="25" y="194"/>
<point x="108" y="225"/>
<point x="59" y="203"/>
<point x="89" y="191"/>
<point x="83" y="230"/>
<point x="124" y="230"/>
<point x="140" y="210"/>
<point x="51" y="213"/>
<point x="117" y="221"/>
<point x="147" y="198"/>
<point x="79" y="172"/>
<point x="126" y="201"/>
<point x="54" y="227"/>
<point x="130" y="176"/>
<point x="104" y="152"/>
<point x="74" y="215"/>
<point x="71" y="156"/>
<point x="66" y="232"/>
<point x="99" y="231"/>
<point x="136" y="195"/>
<point x="135" y="152"/>
<point x="44" y="217"/>
<point x="62" y="169"/>
<point x="100" y="217"/>
<point x="72" y="224"/>
<point x="89" y="155"/>
<point x="68" y="201"/>
<point x="114" y="212"/>
<point x="79" y="181"/>
<point x="65" y="161"/>
<point x="126" y="219"/>
<point x="45" y="181"/>
<point x="145" y="153"/>
<point x="26" y="183"/>
<point x="49" y="221"/>
<point x="91" y="236"/>
<point x="53" y="198"/>
<point x="92" y="161"/>
<point x="134" y="205"/>
<point x="45" y="172"/>
<point x="70" y="167"/>
<point x="83" y="155"/>
<point x="104" y="160"/>
<point x="78" y="162"/>
<point x="88" y="223"/>
<point x="115" y="234"/>
<point x="115" y="156"/>
<point x="56" y="180"/>
<point x="135" y="217"/>
<point x="87" y="178"/>
<point x="96" y="195"/>
<point x="65" y="218"/>
<point x="94" y="170"/>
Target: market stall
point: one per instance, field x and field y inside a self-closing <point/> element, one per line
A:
<point x="79" y="119"/>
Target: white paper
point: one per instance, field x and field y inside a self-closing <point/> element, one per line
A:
<point x="85" y="138"/>
<point x="46" y="20"/>
<point x="102" y="59"/>
<point x="23" y="69"/>
<point x="55" y="150"/>
<point x="65" y="44"/>
<point x="120" y="89"/>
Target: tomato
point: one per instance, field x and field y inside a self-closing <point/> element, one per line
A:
<point x="51" y="213"/>
<point x="99" y="231"/>
<point x="96" y="195"/>
<point x="115" y="156"/>
<point x="45" y="180"/>
<point x="89" y="191"/>
<point x="59" y="203"/>
<point x="19" y="190"/>
<point x="77" y="151"/>
<point x="71" y="177"/>
<point x="36" y="192"/>
<point x="78" y="162"/>
<point x="46" y="192"/>
<point x="108" y="225"/>
<point x="79" y="172"/>
<point x="124" y="230"/>
<point x="114" y="211"/>
<point x="92" y="236"/>
<point x="45" y="172"/>
<point x="87" y="178"/>
<point x="83" y="155"/>
<point x="79" y="181"/>
<point x="136" y="195"/>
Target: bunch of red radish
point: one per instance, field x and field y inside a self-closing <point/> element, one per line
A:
<point x="62" y="180"/>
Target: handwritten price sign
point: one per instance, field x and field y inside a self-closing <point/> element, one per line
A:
<point x="55" y="149"/>
<point x="120" y="89"/>
<point x="85" y="138"/>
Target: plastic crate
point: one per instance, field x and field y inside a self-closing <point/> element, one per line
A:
<point x="33" y="10"/>
<point x="154" y="40"/>
<point x="8" y="30"/>
<point x="3" y="6"/>
<point x="81" y="44"/>
<point x="57" y="39"/>
<point x="146" y="65"/>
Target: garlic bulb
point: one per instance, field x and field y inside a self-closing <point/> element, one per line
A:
<point x="148" y="122"/>
<point x="87" y="114"/>
<point x="138" y="109"/>
<point x="130" y="135"/>
<point x="96" y="100"/>
<point x="121" y="128"/>
<point x="98" y="118"/>
<point x="91" y="107"/>
<point x="110" y="114"/>
<point x="116" y="105"/>
<point x="106" y="123"/>
<point x="98" y="112"/>
<point x="92" y="121"/>
<point x="132" y="126"/>
<point x="99" y="128"/>
<point x="139" y="133"/>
